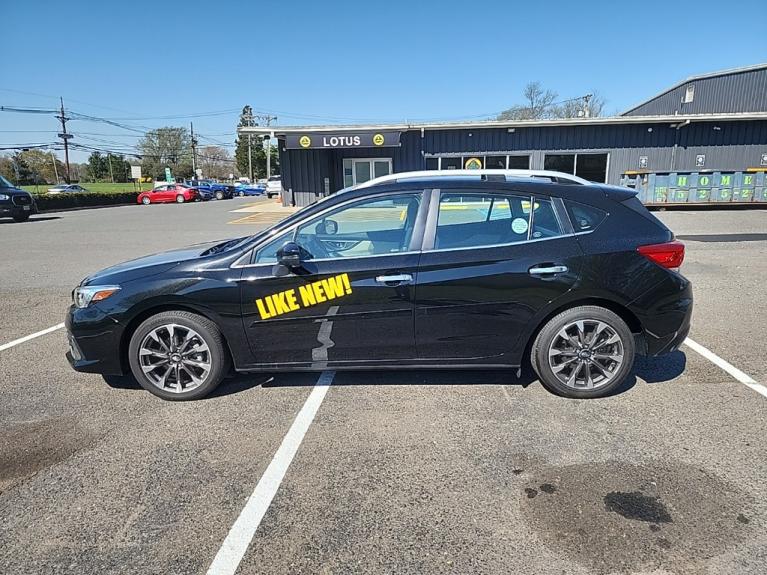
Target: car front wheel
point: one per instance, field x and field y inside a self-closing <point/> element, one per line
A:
<point x="21" y="217"/>
<point x="583" y="352"/>
<point x="219" y="195"/>
<point x="178" y="355"/>
<point x="146" y="201"/>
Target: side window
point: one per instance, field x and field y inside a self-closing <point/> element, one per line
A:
<point x="470" y="220"/>
<point x="268" y="253"/>
<point x="545" y="222"/>
<point x="584" y="218"/>
<point x="373" y="226"/>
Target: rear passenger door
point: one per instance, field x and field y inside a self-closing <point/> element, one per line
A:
<point x="491" y="261"/>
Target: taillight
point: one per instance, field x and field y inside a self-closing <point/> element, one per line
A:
<point x="669" y="255"/>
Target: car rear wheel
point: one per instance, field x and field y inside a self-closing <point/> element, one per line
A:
<point x="178" y="355"/>
<point x="584" y="352"/>
<point x="179" y="199"/>
<point x="146" y="201"/>
<point x="22" y="217"/>
<point x="241" y="194"/>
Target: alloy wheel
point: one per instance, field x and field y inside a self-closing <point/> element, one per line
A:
<point x="175" y="358"/>
<point x="586" y="354"/>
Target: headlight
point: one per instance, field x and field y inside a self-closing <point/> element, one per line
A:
<point x="5" y="197"/>
<point x="84" y="295"/>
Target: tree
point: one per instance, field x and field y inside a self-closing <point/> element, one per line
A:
<point x="6" y="169"/>
<point x="541" y="104"/>
<point x="257" y="149"/>
<point x="166" y="147"/>
<point x="40" y="164"/>
<point x="215" y="162"/>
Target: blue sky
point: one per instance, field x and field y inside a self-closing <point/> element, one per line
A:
<point x="326" y="62"/>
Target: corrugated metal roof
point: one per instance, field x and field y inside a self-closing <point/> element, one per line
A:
<point x="702" y="77"/>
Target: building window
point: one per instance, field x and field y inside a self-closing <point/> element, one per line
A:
<point x="492" y="162"/>
<point x="451" y="164"/>
<point x="495" y="162"/>
<point x="519" y="162"/>
<point x="592" y="167"/>
<point x="689" y="94"/>
<point x="560" y="163"/>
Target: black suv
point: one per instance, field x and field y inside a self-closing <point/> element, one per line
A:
<point x="413" y="270"/>
<point x="15" y="203"/>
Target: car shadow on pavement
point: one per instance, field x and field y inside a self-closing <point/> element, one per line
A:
<point x="31" y="220"/>
<point x="651" y="370"/>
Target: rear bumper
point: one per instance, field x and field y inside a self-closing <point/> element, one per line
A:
<point x="665" y="313"/>
<point x="94" y="341"/>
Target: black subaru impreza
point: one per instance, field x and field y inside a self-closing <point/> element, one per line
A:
<point x="414" y="270"/>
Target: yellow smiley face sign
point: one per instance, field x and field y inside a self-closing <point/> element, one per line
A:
<point x="378" y="139"/>
<point x="304" y="141"/>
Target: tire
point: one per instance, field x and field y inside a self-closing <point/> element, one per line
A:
<point x="22" y="217"/>
<point x="602" y="364"/>
<point x="241" y="194"/>
<point x="146" y="200"/>
<point x="180" y="199"/>
<point x="219" y="195"/>
<point x="268" y="195"/>
<point x="208" y="361"/>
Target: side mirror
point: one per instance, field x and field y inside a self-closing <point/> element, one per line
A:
<point x="289" y="255"/>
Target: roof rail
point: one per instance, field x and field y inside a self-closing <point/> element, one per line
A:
<point x="560" y="177"/>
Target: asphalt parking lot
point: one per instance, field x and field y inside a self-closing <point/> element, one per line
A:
<point x="411" y="472"/>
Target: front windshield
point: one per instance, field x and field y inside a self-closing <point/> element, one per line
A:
<point x="5" y="183"/>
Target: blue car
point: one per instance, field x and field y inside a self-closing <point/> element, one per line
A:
<point x="249" y="190"/>
<point x="209" y="189"/>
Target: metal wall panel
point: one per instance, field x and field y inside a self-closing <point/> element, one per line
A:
<point x="729" y="93"/>
<point x="730" y="146"/>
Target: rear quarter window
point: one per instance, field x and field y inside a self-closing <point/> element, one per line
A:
<point x="584" y="218"/>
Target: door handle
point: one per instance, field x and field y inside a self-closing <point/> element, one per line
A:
<point x="398" y="279"/>
<point x="539" y="271"/>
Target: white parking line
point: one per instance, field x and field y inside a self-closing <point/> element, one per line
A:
<point x="16" y="342"/>
<point x="240" y="535"/>
<point x="726" y="366"/>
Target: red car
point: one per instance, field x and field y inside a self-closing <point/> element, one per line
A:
<point x="168" y="193"/>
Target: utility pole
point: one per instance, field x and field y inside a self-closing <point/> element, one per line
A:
<point x="55" y="169"/>
<point x="194" y="150"/>
<point x="248" y="118"/>
<point x="65" y="136"/>
<point x="268" y="119"/>
<point x="111" y="173"/>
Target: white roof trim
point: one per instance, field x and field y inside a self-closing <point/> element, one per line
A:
<point x="282" y="130"/>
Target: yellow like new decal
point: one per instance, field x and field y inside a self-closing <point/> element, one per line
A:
<point x="304" y="296"/>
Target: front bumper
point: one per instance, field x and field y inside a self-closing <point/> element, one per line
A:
<point x="95" y="341"/>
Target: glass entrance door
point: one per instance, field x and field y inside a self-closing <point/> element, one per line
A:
<point x="364" y="169"/>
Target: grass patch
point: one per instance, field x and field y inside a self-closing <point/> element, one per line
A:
<point x="97" y="187"/>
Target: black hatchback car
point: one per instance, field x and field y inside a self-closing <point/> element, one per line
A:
<point x="414" y="270"/>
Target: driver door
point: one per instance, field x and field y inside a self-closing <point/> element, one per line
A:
<point x="351" y="301"/>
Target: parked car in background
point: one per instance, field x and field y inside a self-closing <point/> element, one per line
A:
<point x="249" y="190"/>
<point x="212" y="189"/>
<point x="15" y="203"/>
<point x="169" y="193"/>
<point x="66" y="188"/>
<point x="274" y="186"/>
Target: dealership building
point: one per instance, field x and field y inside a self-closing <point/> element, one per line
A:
<point x="705" y="126"/>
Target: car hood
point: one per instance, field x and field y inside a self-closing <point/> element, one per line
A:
<point x="147" y="266"/>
